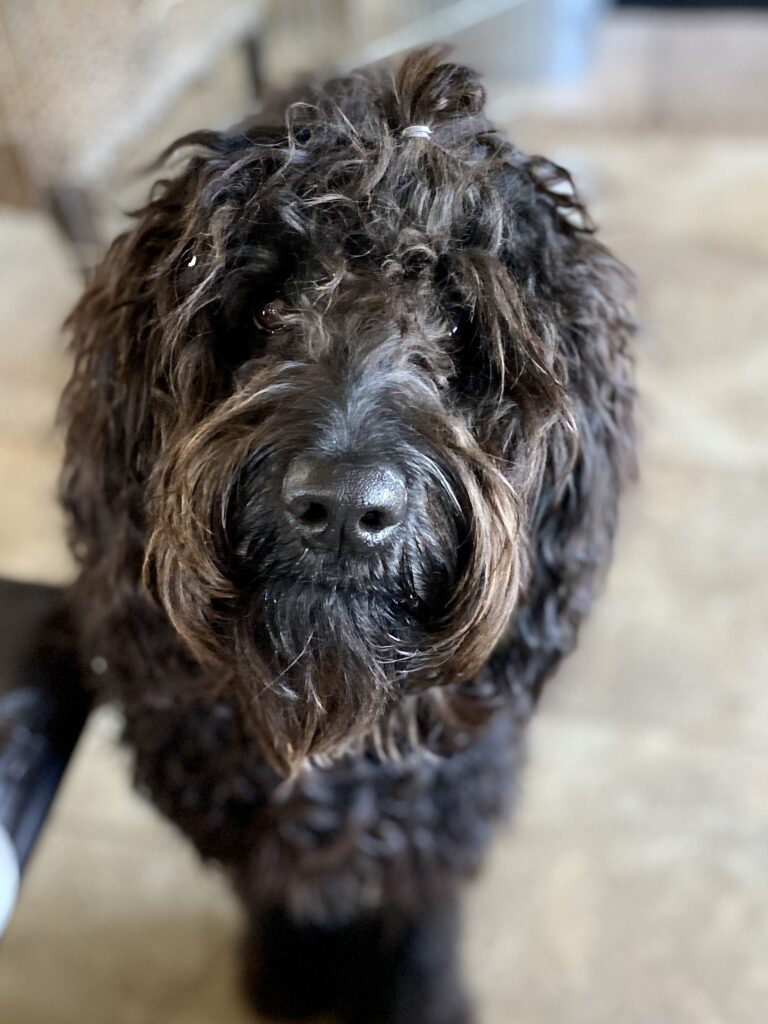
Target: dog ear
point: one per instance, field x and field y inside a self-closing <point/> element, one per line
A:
<point x="139" y="367"/>
<point x="580" y="294"/>
<point x="108" y="406"/>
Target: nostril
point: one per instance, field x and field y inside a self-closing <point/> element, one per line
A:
<point x="313" y="514"/>
<point x="373" y="520"/>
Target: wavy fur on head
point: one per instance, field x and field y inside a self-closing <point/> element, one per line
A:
<point x="330" y="283"/>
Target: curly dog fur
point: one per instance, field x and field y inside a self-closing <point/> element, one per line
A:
<point x="375" y="279"/>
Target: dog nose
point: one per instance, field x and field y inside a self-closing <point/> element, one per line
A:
<point x="344" y="506"/>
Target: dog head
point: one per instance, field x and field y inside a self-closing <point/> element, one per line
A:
<point x="324" y="383"/>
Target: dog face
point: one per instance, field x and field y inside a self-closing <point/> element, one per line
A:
<point x="345" y="387"/>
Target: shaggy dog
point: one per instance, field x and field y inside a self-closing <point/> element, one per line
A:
<point x="350" y="413"/>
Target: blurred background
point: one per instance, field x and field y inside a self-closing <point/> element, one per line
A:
<point x="633" y="884"/>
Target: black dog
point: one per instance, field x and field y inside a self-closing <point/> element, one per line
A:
<point x="350" y="413"/>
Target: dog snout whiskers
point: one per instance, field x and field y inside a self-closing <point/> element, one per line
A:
<point x="345" y="506"/>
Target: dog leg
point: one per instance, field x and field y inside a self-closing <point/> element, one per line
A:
<point x="295" y="971"/>
<point x="383" y="969"/>
<point x="411" y="976"/>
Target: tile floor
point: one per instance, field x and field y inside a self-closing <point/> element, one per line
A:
<point x="633" y="885"/>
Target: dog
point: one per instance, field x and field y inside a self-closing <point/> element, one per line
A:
<point x="350" y="413"/>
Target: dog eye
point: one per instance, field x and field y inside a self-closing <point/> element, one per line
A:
<point x="270" y="317"/>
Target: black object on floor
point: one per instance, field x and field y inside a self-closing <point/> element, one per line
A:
<point x="43" y="707"/>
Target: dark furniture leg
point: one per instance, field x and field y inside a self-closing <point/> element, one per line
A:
<point x="72" y="208"/>
<point x="252" y="47"/>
